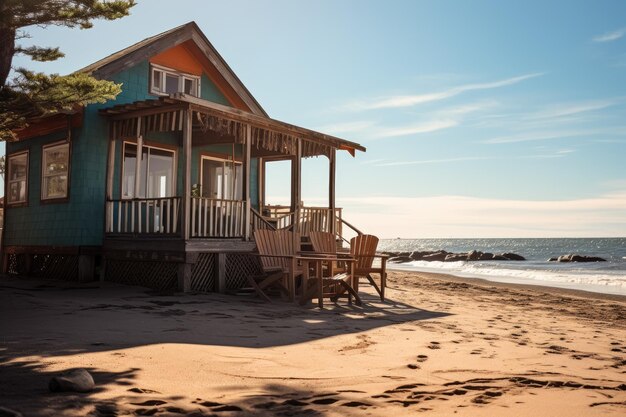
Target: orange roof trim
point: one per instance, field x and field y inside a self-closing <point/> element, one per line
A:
<point x="179" y="59"/>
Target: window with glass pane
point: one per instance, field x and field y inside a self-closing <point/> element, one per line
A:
<point x="166" y="81"/>
<point x="17" y="175"/>
<point x="54" y="182"/>
<point x="221" y="179"/>
<point x="189" y="86"/>
<point x="157" y="80"/>
<point x="160" y="172"/>
<point x="156" y="172"/>
<point x="128" y="177"/>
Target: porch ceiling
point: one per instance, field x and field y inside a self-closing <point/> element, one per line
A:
<point x="269" y="136"/>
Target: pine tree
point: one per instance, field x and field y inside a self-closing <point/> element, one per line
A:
<point x="31" y="94"/>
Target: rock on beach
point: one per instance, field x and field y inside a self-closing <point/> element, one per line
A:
<point x="76" y="380"/>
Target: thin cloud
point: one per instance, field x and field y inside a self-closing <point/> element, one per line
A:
<point x="557" y="134"/>
<point x="433" y="161"/>
<point x="433" y="121"/>
<point x="348" y="127"/>
<point x="571" y="109"/>
<point x="610" y="36"/>
<point x="426" y="127"/>
<point x="558" y="154"/>
<point x="412" y="100"/>
<point x="373" y="161"/>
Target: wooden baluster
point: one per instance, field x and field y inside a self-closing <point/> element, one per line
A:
<point x="175" y="216"/>
<point x="193" y="216"/>
<point x="125" y="205"/>
<point x="221" y="216"/>
<point x="132" y="216"/>
<point x="169" y="216"/>
<point x="207" y="217"/>
<point x="161" y="205"/>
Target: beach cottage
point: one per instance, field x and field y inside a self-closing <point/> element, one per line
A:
<point x="164" y="186"/>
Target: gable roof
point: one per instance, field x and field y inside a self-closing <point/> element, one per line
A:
<point x="153" y="45"/>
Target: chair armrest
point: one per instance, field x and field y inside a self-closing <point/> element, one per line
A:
<point x="274" y="256"/>
<point x="341" y="255"/>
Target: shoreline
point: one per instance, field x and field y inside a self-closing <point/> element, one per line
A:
<point x="537" y="287"/>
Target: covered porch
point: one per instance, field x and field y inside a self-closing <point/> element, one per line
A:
<point x="201" y="174"/>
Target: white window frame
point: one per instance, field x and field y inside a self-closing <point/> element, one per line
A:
<point x="160" y="90"/>
<point x="140" y="153"/>
<point x="224" y="161"/>
<point x="10" y="181"/>
<point x="45" y="175"/>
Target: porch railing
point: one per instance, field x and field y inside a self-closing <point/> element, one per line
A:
<point x="212" y="217"/>
<point x="143" y="216"/>
<point x="259" y="222"/>
<point x="318" y="219"/>
<point x="308" y="219"/>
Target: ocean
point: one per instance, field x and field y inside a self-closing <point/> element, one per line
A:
<point x="604" y="277"/>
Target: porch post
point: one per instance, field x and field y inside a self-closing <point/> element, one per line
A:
<point x="246" y="182"/>
<point x="111" y="164"/>
<point x="186" y="212"/>
<point x="138" y="159"/>
<point x="296" y="185"/>
<point x="331" y="190"/>
<point x="108" y="204"/>
<point x="261" y="184"/>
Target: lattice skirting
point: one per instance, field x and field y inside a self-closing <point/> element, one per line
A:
<point x="238" y="267"/>
<point x="62" y="267"/>
<point x="157" y="275"/>
<point x="204" y="273"/>
<point x="16" y="263"/>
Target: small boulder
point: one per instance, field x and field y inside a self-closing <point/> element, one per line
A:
<point x="485" y="256"/>
<point x="418" y="255"/>
<point x="76" y="380"/>
<point x="581" y="258"/>
<point x="400" y="259"/>
<point x="455" y="257"/>
<point x="499" y="258"/>
<point x="474" y="255"/>
<point x="436" y="256"/>
<point x="513" y="256"/>
<point x="577" y="258"/>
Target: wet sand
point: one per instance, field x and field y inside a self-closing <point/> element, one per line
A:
<point x="440" y="345"/>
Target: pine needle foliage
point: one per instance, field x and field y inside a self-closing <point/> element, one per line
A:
<point x="28" y="94"/>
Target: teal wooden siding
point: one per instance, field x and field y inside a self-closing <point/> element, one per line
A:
<point x="80" y="221"/>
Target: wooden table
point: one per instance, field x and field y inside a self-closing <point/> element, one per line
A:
<point x="314" y="261"/>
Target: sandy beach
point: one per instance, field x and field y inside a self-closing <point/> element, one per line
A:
<point x="439" y="346"/>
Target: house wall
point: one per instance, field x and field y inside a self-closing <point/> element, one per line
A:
<point x="80" y="220"/>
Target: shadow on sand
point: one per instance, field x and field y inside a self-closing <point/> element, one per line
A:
<point x="52" y="319"/>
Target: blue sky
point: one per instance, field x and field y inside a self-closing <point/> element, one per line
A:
<point x="481" y="119"/>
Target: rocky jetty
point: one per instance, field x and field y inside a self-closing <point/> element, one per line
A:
<point x="444" y="256"/>
<point x="576" y="258"/>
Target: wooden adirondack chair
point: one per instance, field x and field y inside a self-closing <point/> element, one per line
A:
<point x="363" y="249"/>
<point x="324" y="243"/>
<point x="277" y="250"/>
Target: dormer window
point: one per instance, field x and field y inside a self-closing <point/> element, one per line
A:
<point x="168" y="81"/>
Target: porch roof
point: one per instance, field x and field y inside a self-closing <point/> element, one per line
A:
<point x="165" y="114"/>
